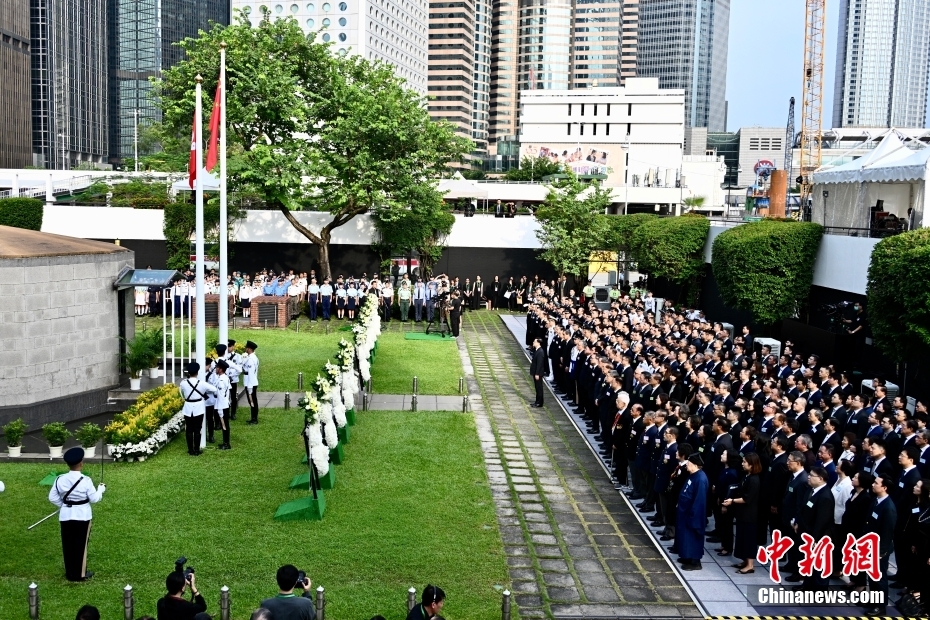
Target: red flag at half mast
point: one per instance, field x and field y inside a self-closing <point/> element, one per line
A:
<point x="212" y="151"/>
<point x="192" y="164"/>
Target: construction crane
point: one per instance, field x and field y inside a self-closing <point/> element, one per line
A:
<point x="812" y="97"/>
<point x="789" y="139"/>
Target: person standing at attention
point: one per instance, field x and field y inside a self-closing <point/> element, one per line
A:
<point x="194" y="392"/>
<point x="403" y="297"/>
<point x="73" y="493"/>
<point x="539" y="368"/>
<point x="326" y="298"/>
<point x="313" y="295"/>
<point x="250" y="374"/>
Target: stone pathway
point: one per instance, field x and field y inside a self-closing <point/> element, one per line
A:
<point x="379" y="402"/>
<point x="573" y="546"/>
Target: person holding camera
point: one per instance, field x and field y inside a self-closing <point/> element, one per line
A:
<point x="287" y="605"/>
<point x="173" y="606"/>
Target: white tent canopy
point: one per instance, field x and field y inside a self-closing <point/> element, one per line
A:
<point x="460" y="187"/>
<point x="891" y="175"/>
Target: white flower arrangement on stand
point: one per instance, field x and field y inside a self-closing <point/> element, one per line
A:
<point x="339" y="408"/>
<point x="366" y="334"/>
<point x="319" y="453"/>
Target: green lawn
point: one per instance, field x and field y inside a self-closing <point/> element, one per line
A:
<point x="409" y="508"/>
<point x="284" y="353"/>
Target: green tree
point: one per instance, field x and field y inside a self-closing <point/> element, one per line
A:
<point x="317" y="131"/>
<point x="899" y="294"/>
<point x="422" y="227"/>
<point x="693" y="202"/>
<point x="571" y="228"/>
<point x="673" y="248"/>
<point x="767" y="267"/>
<point x="618" y="236"/>
<point x="533" y="169"/>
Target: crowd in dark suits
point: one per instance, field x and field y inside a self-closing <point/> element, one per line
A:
<point x="677" y="404"/>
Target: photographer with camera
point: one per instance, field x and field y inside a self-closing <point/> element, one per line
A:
<point x="173" y="606"/>
<point x="287" y="605"/>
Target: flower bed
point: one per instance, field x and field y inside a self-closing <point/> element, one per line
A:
<point x="146" y="427"/>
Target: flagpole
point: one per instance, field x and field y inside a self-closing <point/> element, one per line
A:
<point x="201" y="336"/>
<point x="224" y="302"/>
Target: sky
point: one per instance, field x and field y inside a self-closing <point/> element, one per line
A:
<point x="764" y="69"/>
<point x="764" y="62"/>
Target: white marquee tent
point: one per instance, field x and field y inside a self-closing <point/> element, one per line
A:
<point x="891" y="172"/>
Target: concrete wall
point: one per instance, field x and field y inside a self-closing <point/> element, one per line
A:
<point x="59" y="326"/>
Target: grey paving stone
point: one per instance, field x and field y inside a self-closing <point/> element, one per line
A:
<point x="554" y="565"/>
<point x="601" y="528"/>
<point x="599" y="579"/>
<point x="520" y="561"/>
<point x="639" y="595"/>
<point x="673" y="593"/>
<point x="528" y="600"/>
<point x="588" y="566"/>
<point x="608" y="540"/>
<point x="516" y="550"/>
<point x="622" y="566"/>
<point x="601" y="595"/>
<point x="525" y="587"/>
<point x="543" y="539"/>
<point x="517" y="574"/>
<point x="539" y="528"/>
<point x="563" y="594"/>
<point x="625" y="580"/>
<point x="558" y="579"/>
<point x="535" y="516"/>
<point x="548" y="551"/>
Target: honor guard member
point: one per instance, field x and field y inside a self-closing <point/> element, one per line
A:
<point x="211" y="378"/>
<point x="235" y="369"/>
<point x="73" y="493"/>
<point x="222" y="401"/>
<point x="250" y="374"/>
<point x="194" y="392"/>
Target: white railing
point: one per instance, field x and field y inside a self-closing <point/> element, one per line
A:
<point x="60" y="186"/>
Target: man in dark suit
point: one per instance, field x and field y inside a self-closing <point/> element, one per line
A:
<point x="881" y="519"/>
<point x="857" y="420"/>
<point x="816" y="516"/>
<point x="775" y="480"/>
<point x="795" y="496"/>
<point x="905" y="501"/>
<point x="881" y="465"/>
<point x="539" y="368"/>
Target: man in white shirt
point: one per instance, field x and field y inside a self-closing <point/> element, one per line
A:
<point x="387" y="300"/>
<point x="73" y="493"/>
<point x="222" y="401"/>
<point x="250" y="374"/>
<point x="233" y="372"/>
<point x="194" y="392"/>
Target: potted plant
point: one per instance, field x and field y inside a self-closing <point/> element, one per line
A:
<point x="56" y="435"/>
<point x="155" y="343"/>
<point x="14" y="432"/>
<point x="89" y="434"/>
<point x="137" y="358"/>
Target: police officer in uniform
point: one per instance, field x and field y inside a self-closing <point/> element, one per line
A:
<point x="222" y="402"/>
<point x="194" y="392"/>
<point x="233" y="372"/>
<point x="73" y="493"/>
<point x="211" y="378"/>
<point x="250" y="374"/>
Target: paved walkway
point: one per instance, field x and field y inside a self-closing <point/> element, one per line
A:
<point x="574" y="547"/>
<point x="379" y="402"/>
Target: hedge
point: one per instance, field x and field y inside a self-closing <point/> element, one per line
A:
<point x="22" y="213"/>
<point x="898" y="293"/>
<point x="766" y="267"/>
<point x="671" y="247"/>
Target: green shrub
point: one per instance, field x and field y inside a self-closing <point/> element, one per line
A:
<point x="88" y="434"/>
<point x="671" y="247"/>
<point x="140" y="195"/>
<point x="899" y="294"/>
<point x="14" y="432"/>
<point x="55" y="433"/>
<point x="766" y="267"/>
<point x="22" y="213"/>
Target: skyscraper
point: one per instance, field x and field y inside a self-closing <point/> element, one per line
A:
<point x="684" y="44"/>
<point x="882" y="57"/>
<point x="69" y="82"/>
<point x="15" y="98"/>
<point x="142" y="43"/>
<point x="482" y="73"/>
<point x="393" y="31"/>
<point x="451" y="58"/>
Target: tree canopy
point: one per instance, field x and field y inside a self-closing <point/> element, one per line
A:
<point x="533" y="169"/>
<point x="318" y="131"/>
<point x="570" y="224"/>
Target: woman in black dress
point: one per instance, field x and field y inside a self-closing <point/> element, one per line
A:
<point x="746" y="505"/>
<point x="857" y="509"/>
<point x="725" y="488"/>
<point x="494" y="290"/>
<point x="511" y="295"/>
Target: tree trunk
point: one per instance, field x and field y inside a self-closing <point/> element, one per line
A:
<point x="324" y="254"/>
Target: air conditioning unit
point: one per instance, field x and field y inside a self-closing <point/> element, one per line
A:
<point x="775" y="345"/>
<point x="602" y="297"/>
<point x="869" y="390"/>
<point x="729" y="328"/>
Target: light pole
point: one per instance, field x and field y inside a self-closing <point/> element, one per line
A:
<point x="135" y="136"/>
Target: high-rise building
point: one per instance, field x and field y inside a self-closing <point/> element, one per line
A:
<point x="142" y="43"/>
<point x="451" y="58"/>
<point x="598" y="26"/>
<point x="15" y="97"/>
<point x="502" y="107"/>
<point x="882" y="58"/>
<point x="482" y="73"/>
<point x="684" y="44"/>
<point x="69" y="82"/>
<point x="393" y="31"/>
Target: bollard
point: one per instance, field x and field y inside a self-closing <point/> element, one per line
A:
<point x="33" y="601"/>
<point x="287" y="400"/>
<point x="461" y="384"/>
<point x="327" y="327"/>
<point x="413" y="402"/>
<point x="505" y="606"/>
<point x="416" y="384"/>
<point x="368" y="388"/>
<point x="366" y="402"/>
<point x="298" y="326"/>
<point x="224" y="603"/>
<point x="128" y="612"/>
<point x="266" y="323"/>
<point x="411" y="599"/>
<point x="143" y="325"/>
<point x="300" y="381"/>
<point x="320" y="603"/>
<point x="465" y="403"/>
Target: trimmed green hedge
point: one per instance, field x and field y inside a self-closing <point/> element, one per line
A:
<point x="767" y="267"/>
<point x="899" y="294"/>
<point x="22" y="213"/>
<point x="671" y="247"/>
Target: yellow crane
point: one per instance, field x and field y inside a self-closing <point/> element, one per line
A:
<point x="812" y="96"/>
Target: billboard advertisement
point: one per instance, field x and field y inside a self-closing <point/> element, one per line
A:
<point x="581" y="159"/>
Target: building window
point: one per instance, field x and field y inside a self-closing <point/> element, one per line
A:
<point x="595" y="114"/>
<point x="607" y="128"/>
<point x="582" y="113"/>
<point x="310" y="23"/>
<point x="343" y="21"/>
<point x="629" y="128"/>
<point x="326" y="37"/>
<point x="343" y="6"/>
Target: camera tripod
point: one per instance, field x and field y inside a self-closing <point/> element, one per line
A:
<point x="441" y="316"/>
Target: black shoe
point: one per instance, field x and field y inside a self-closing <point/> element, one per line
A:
<point x="224" y="446"/>
<point x="692" y="566"/>
<point x="658" y="523"/>
<point x="536" y="405"/>
<point x="633" y="497"/>
<point x="87" y="576"/>
<point x="674" y="549"/>
<point x="252" y="422"/>
<point x="794" y="579"/>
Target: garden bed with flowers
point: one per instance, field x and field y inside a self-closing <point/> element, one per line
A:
<point x="147" y="426"/>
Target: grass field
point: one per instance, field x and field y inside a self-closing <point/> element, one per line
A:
<point x="284" y="353"/>
<point x="409" y="508"/>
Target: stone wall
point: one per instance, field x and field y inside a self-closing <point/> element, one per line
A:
<point x="287" y="308"/>
<point x="59" y="327"/>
